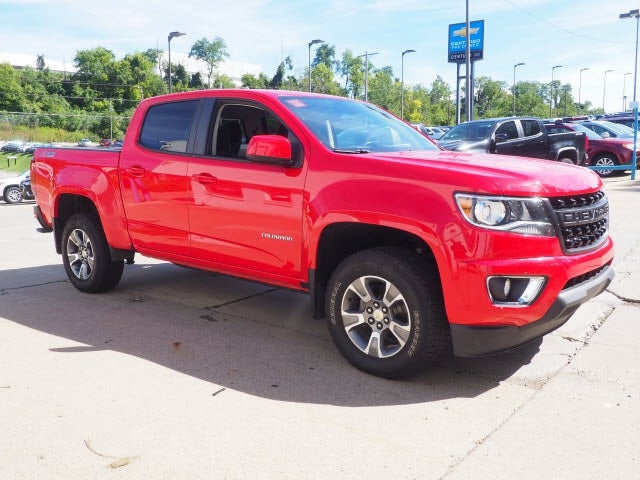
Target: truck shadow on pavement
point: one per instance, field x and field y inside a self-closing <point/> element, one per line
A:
<point x="233" y="333"/>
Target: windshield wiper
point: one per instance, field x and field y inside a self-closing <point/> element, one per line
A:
<point x="354" y="150"/>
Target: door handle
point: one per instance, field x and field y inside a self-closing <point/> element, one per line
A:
<point x="136" y="171"/>
<point x="204" y="178"/>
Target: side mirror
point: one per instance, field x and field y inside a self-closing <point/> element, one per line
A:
<point x="605" y="135"/>
<point x="273" y="149"/>
<point x="501" y="137"/>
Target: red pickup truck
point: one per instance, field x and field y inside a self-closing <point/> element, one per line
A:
<point x="403" y="247"/>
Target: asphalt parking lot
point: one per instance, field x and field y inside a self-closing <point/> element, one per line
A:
<point x="180" y="374"/>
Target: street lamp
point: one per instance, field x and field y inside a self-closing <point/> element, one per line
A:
<point x="624" y="90"/>
<point x="580" y="89"/>
<point x="551" y="91"/>
<point x="312" y="42"/>
<point x="634" y="14"/>
<point x="514" y="86"/>
<point x="402" y="83"/>
<point x="604" y="89"/>
<point x="366" y="73"/>
<point x="172" y="35"/>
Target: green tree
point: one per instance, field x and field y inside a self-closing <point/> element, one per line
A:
<point x="352" y="69"/>
<point x="492" y="98"/>
<point x="12" y="98"/>
<point x="279" y="78"/>
<point x="322" y="80"/>
<point x="155" y="56"/>
<point x="179" y="76"/>
<point x="531" y="98"/>
<point x="210" y="52"/>
<point x="325" y="54"/>
<point x="384" y="90"/>
<point x="251" y="81"/>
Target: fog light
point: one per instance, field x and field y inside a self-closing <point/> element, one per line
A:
<point x="514" y="291"/>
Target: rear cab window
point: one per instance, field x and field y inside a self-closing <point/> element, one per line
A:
<point x="167" y="126"/>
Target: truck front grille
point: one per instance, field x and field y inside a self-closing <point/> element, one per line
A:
<point x="583" y="220"/>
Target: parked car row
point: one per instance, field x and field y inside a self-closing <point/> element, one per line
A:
<point x="604" y="150"/>
<point x="605" y="143"/>
<point x="19" y="146"/>
<point x="432" y="132"/>
<point x="12" y="190"/>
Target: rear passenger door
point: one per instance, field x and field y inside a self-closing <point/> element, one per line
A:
<point x="153" y="179"/>
<point x="535" y="141"/>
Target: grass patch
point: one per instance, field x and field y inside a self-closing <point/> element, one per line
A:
<point x="17" y="165"/>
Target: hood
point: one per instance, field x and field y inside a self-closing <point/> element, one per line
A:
<point x="498" y="174"/>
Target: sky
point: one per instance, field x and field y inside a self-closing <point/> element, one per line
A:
<point x="540" y="33"/>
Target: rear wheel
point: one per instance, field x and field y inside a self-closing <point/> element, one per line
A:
<point x="605" y="160"/>
<point x="386" y="312"/>
<point x="13" y="195"/>
<point x="86" y="255"/>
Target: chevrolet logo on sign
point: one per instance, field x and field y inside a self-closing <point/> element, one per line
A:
<point x="462" y="32"/>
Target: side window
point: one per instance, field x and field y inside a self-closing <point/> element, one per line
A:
<point x="234" y="126"/>
<point x="530" y="128"/>
<point x="508" y="129"/>
<point x="167" y="126"/>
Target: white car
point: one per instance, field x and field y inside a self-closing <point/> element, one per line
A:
<point x="10" y="188"/>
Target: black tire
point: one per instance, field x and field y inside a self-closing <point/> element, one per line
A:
<point x="12" y="194"/>
<point x="413" y="307"/>
<point x="86" y="255"/>
<point x="605" y="160"/>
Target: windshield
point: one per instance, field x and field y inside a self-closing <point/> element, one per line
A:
<point x="350" y="126"/>
<point x="618" y="128"/>
<point x="588" y="132"/>
<point x="474" y="131"/>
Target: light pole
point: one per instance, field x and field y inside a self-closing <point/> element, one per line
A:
<point x="604" y="89"/>
<point x="312" y="42"/>
<point x="172" y="35"/>
<point x="514" y="86"/>
<point x="624" y="91"/>
<point x="551" y="91"/>
<point x="402" y="83"/>
<point x="580" y="89"/>
<point x="366" y="73"/>
<point x="634" y="14"/>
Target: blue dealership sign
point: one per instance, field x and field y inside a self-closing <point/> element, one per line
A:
<point x="458" y="41"/>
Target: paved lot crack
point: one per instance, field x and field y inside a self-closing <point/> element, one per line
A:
<point x="632" y="301"/>
<point x="9" y="289"/>
<point x="231" y="302"/>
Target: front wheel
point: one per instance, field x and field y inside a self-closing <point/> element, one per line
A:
<point x="13" y="195"/>
<point x="567" y="160"/>
<point x="386" y="312"/>
<point x="86" y="255"/>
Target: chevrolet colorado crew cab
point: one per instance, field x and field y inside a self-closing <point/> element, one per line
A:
<point x="521" y="136"/>
<point x="405" y="249"/>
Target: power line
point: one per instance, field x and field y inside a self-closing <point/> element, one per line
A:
<point x="559" y="27"/>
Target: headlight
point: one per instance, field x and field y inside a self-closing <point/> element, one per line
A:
<point x="527" y="216"/>
<point x="628" y="146"/>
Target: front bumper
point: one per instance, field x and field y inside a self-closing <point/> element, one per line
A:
<point x="473" y="340"/>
